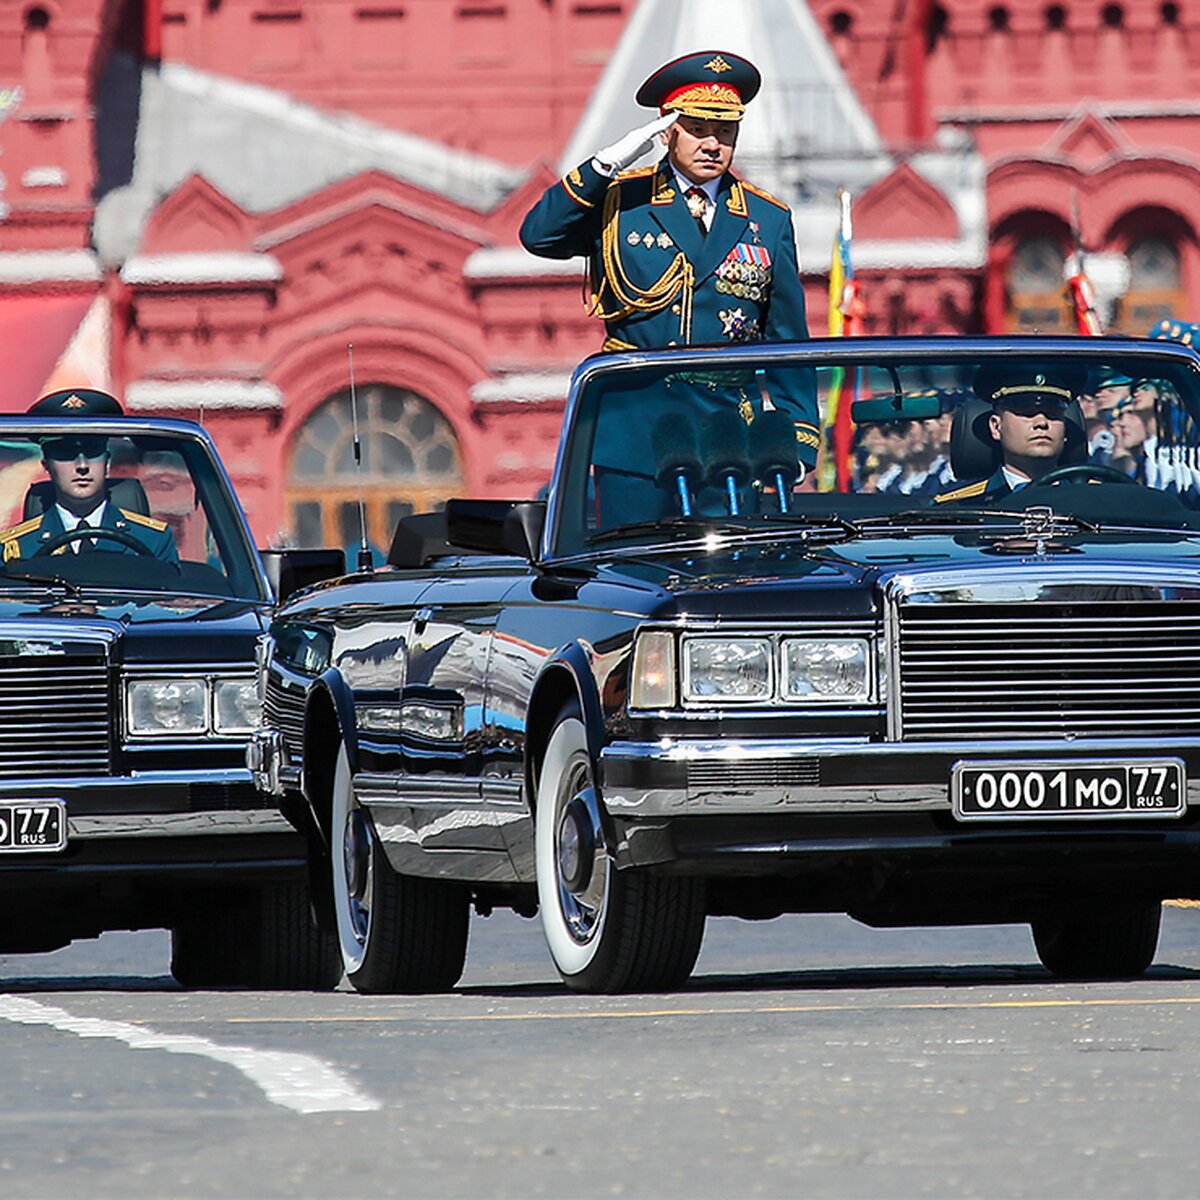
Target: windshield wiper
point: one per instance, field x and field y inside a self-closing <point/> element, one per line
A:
<point x="679" y="525"/>
<point x="72" y="589"/>
<point x="848" y="527"/>
<point x="980" y="516"/>
<point x="754" y="527"/>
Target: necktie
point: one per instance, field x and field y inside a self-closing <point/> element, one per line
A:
<point x="87" y="544"/>
<point x="697" y="203"/>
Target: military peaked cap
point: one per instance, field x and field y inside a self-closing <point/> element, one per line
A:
<point x="712" y="85"/>
<point x="1053" y="385"/>
<point x="77" y="402"/>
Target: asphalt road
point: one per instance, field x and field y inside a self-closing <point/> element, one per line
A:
<point x="809" y="1057"/>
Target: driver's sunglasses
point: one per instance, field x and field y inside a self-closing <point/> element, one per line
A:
<point x="1032" y="408"/>
<point x="69" y="449"/>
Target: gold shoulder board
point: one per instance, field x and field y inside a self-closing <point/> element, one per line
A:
<point x="138" y="519"/>
<point x="16" y="531"/>
<point x="963" y="493"/>
<point x="757" y="191"/>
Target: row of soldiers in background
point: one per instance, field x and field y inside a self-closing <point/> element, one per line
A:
<point x="1123" y="415"/>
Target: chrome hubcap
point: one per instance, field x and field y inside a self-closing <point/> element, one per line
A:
<point x="356" y="864"/>
<point x="581" y="857"/>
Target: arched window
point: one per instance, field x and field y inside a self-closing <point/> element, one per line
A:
<point x="411" y="462"/>
<point x="1155" y="285"/>
<point x="1037" y="302"/>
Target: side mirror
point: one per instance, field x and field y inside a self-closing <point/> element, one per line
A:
<point x="290" y="570"/>
<point x="496" y="526"/>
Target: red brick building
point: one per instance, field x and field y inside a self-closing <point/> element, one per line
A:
<point x="206" y="202"/>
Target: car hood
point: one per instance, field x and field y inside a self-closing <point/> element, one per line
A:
<point x="147" y="624"/>
<point x="786" y="579"/>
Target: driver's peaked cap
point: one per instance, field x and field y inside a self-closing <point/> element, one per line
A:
<point x="77" y="402"/>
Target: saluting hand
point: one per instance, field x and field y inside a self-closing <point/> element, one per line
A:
<point x="627" y="150"/>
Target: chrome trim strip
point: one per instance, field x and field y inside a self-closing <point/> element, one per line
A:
<point x="197" y="824"/>
<point x="1032" y="582"/>
<point x="891" y="644"/>
<point x="383" y="791"/>
<point x="137" y="780"/>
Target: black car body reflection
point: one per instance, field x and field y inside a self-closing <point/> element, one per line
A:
<point x="651" y="700"/>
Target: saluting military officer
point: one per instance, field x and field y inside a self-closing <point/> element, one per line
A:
<point x="683" y="252"/>
<point x="78" y="468"/>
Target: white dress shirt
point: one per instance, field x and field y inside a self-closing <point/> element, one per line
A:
<point x="709" y="188"/>
<point x="71" y="521"/>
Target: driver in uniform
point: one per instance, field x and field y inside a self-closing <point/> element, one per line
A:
<point x="1033" y="421"/>
<point x="78" y="468"/>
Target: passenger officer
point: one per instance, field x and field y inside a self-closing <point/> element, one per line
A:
<point x="684" y="252"/>
<point x="78" y="468"/>
<point x="1033" y="423"/>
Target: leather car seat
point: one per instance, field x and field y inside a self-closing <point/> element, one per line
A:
<point x="124" y="493"/>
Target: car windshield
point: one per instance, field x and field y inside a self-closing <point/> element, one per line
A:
<point x="1105" y="432"/>
<point x="157" y="515"/>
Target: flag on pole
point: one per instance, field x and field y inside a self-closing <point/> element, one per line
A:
<point x="845" y="320"/>
<point x="1079" y="286"/>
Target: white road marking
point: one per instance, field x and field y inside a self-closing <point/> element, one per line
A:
<point x="296" y="1081"/>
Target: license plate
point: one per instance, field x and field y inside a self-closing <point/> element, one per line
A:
<point x="33" y="825"/>
<point x="1058" y="790"/>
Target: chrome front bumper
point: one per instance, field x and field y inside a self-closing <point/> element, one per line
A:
<point x="150" y="804"/>
<point x="266" y="760"/>
<point x="695" y="777"/>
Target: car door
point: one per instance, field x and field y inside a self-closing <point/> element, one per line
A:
<point x="443" y="739"/>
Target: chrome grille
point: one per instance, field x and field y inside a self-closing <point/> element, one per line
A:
<point x="55" y="716"/>
<point x="284" y="710"/>
<point x="974" y="672"/>
<point x="752" y="773"/>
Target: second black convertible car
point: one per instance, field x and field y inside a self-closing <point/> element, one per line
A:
<point x="964" y="689"/>
<point x="127" y="696"/>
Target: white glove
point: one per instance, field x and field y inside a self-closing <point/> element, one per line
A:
<point x="627" y="150"/>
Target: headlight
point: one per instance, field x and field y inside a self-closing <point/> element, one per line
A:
<point x="832" y="669"/>
<point x="736" y="669"/>
<point x="164" y="707"/>
<point x="236" y="708"/>
<point x="652" y="683"/>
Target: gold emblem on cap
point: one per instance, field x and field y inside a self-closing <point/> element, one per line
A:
<point x="1039" y="379"/>
<point x="73" y="401"/>
<point x="717" y="64"/>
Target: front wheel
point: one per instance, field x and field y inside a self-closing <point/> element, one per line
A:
<point x="607" y="930"/>
<point x="263" y="937"/>
<point x="1102" y="942"/>
<point x="397" y="933"/>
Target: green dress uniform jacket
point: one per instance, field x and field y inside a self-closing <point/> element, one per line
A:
<point x="658" y="281"/>
<point x="24" y="540"/>
<point x="982" y="491"/>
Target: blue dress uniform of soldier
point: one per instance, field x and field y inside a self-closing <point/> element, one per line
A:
<point x="658" y="279"/>
<point x="28" y="537"/>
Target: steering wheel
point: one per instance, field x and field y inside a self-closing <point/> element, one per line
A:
<point x="95" y="531"/>
<point x="1080" y="473"/>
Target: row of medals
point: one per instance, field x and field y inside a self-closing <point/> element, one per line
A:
<point x="745" y="280"/>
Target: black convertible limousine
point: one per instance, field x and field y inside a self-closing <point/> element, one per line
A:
<point x="691" y="683"/>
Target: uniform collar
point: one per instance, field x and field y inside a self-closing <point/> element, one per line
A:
<point x="709" y="188"/>
<point x="69" y="520"/>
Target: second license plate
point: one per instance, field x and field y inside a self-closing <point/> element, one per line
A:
<point x="1080" y="788"/>
<point x="33" y="825"/>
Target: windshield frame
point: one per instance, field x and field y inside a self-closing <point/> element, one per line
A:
<point x="817" y="352"/>
<point x="230" y="527"/>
